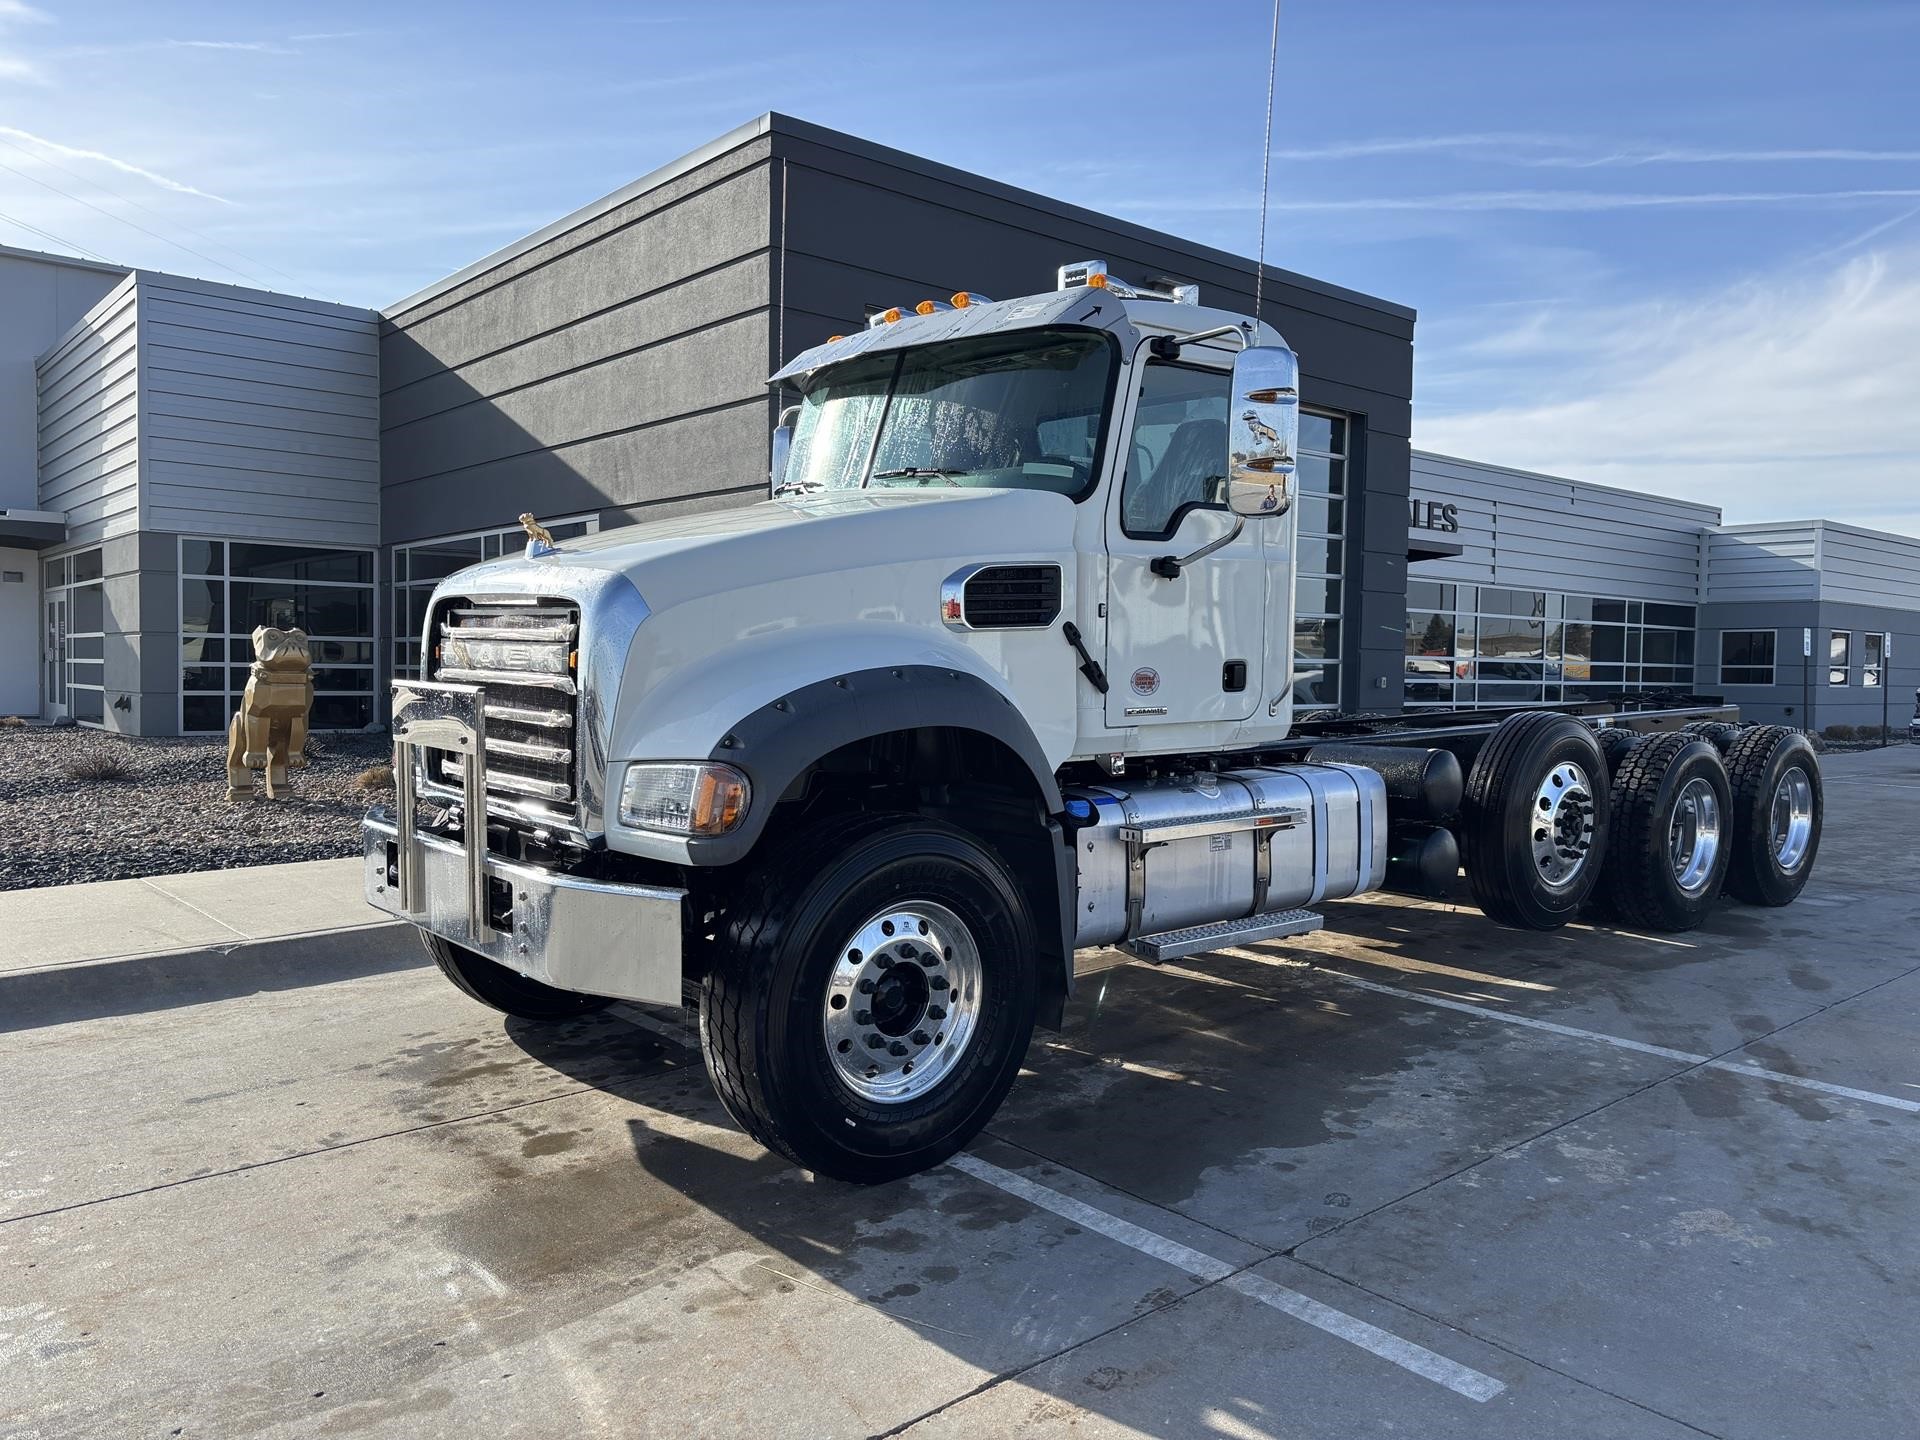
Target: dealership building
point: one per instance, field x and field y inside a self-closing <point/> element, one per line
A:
<point x="181" y="461"/>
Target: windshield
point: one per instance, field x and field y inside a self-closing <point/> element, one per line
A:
<point x="1021" y="411"/>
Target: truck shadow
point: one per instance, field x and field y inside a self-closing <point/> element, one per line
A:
<point x="138" y="984"/>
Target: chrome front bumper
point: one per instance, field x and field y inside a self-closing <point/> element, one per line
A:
<point x="598" y="937"/>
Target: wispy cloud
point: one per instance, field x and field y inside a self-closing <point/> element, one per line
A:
<point x="99" y="157"/>
<point x="1585" y="200"/>
<point x="1777" y="398"/>
<point x="257" y="47"/>
<point x="1577" y="153"/>
<point x="1546" y="201"/>
<point x="14" y="66"/>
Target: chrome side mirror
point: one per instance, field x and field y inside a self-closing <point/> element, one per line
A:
<point x="782" y="447"/>
<point x="1263" y="429"/>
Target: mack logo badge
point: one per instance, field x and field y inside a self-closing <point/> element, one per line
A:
<point x="1146" y="680"/>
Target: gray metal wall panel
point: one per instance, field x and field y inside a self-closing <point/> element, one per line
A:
<point x="279" y="438"/>
<point x="1867" y="567"/>
<point x="41" y="299"/>
<point x="1772" y="563"/>
<point x="618" y="365"/>
<point x="88" y="456"/>
<point x="645" y="470"/>
<point x="1541" y="532"/>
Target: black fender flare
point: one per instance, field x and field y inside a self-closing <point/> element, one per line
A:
<point x="777" y="743"/>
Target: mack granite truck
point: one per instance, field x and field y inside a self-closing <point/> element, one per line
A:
<point x="1002" y="669"/>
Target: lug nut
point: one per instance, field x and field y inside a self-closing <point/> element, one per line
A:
<point x="938" y="982"/>
<point x="863" y="1017"/>
<point x="934" y="1012"/>
<point x="865" y="987"/>
<point x="875" y="1042"/>
<point x="920" y="1037"/>
<point x="898" y="1047"/>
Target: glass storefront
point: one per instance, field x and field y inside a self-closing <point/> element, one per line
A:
<point x="229" y="587"/>
<point x="418" y="567"/>
<point x="1319" y="561"/>
<point x="1471" y="646"/>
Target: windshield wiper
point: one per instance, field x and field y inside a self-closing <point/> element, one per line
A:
<point x="921" y="472"/>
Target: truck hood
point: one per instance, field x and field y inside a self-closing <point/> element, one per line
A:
<point x="672" y="562"/>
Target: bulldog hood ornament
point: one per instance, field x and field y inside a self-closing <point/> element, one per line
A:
<point x="539" y="538"/>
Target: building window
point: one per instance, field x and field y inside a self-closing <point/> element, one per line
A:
<point x="1319" y="559"/>
<point x="418" y="567"/>
<point x="1746" y="657"/>
<point x="1431" y="639"/>
<point x="74" y="611"/>
<point x="230" y="587"/>
<point x="1873" y="659"/>
<point x="1839" y="657"/>
<point x="1470" y="646"/>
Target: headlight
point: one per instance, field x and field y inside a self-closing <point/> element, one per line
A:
<point x="694" y="798"/>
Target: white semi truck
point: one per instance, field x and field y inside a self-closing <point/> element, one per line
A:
<point x="1002" y="669"/>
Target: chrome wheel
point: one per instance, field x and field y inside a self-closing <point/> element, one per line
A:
<point x="903" y="1003"/>
<point x="1563" y="819"/>
<point x="1790" y="823"/>
<point x="1693" y="837"/>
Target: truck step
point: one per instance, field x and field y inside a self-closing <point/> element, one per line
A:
<point x="1173" y="944"/>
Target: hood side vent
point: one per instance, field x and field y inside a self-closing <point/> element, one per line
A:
<point x="1012" y="597"/>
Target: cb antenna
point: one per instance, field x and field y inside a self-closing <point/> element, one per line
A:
<point x="1266" y="164"/>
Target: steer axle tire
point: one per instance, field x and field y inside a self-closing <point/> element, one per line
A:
<point x="1778" y="809"/>
<point x="1667" y="854"/>
<point x="1533" y="826"/>
<point x="871" y="995"/>
<point x="507" y="991"/>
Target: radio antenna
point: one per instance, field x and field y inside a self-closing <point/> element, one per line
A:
<point x="1266" y="164"/>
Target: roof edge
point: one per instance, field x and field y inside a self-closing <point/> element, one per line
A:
<point x="652" y="180"/>
<point x="1719" y="514"/>
<point x="54" y="257"/>
<point x="949" y="174"/>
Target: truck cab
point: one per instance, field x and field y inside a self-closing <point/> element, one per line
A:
<point x="1001" y="669"/>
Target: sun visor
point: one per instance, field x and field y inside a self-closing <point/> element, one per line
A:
<point x="1078" y="307"/>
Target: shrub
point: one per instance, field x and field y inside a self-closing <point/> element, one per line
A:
<point x="12" y="722"/>
<point x="374" y="777"/>
<point x="99" y="766"/>
<point x="1837" y="732"/>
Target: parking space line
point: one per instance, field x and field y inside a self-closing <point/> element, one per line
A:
<point x="1912" y="1107"/>
<point x="1337" y="1323"/>
<point x="1708" y="1062"/>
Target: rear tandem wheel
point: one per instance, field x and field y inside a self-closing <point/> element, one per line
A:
<point x="1533" y="826"/>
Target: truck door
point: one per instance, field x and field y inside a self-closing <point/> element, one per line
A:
<point x="1188" y="649"/>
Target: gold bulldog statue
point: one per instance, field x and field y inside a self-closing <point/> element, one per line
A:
<point x="269" y="732"/>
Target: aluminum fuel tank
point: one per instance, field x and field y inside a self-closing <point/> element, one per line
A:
<point x="1165" y="854"/>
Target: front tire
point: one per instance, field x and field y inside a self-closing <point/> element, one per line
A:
<point x="507" y="991"/>
<point x="1533" y="826"/>
<point x="1778" y="808"/>
<point x="871" y="996"/>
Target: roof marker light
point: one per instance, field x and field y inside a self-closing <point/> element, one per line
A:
<point x="929" y="307"/>
<point x="964" y="298"/>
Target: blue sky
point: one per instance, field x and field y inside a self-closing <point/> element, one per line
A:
<point x="1675" y="246"/>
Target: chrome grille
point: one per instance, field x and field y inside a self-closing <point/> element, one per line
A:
<point x="522" y="655"/>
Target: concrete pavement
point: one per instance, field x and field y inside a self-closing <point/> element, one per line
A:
<point x="1413" y="1175"/>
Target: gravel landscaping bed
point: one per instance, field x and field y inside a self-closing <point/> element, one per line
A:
<point x="170" y="812"/>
